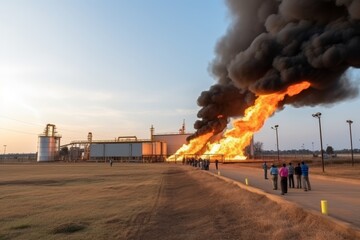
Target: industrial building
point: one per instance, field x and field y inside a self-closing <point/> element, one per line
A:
<point x="123" y="148"/>
<point x="174" y="141"/>
<point x="128" y="150"/>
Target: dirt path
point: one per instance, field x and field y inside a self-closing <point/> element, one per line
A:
<point x="187" y="210"/>
<point x="195" y="205"/>
<point x="137" y="223"/>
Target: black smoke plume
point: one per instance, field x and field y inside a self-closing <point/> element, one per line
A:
<point x="272" y="44"/>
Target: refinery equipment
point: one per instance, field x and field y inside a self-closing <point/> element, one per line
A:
<point x="48" y="144"/>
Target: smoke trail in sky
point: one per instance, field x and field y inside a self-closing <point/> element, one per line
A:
<point x="273" y="44"/>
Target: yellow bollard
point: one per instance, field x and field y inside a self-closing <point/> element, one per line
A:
<point x="324" y="207"/>
<point x="246" y="181"/>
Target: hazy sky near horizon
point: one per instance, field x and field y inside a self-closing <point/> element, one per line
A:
<point x="114" y="68"/>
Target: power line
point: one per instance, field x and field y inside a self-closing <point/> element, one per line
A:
<point x="59" y="129"/>
<point x="39" y="124"/>
<point x="17" y="120"/>
<point x="13" y="130"/>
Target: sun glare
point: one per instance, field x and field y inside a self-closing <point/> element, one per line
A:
<point x="15" y="97"/>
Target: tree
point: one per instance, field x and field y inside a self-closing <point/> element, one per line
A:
<point x="329" y="150"/>
<point x="258" y="147"/>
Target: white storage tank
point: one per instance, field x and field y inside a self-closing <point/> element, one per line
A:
<point x="48" y="145"/>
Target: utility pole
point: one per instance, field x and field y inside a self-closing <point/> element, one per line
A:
<point x="318" y="115"/>
<point x="351" y="144"/>
<point x="277" y="141"/>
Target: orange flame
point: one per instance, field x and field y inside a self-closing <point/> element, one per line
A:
<point x="195" y="146"/>
<point x="234" y="140"/>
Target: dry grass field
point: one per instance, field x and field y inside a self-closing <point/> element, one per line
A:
<point x="143" y="201"/>
<point x="345" y="170"/>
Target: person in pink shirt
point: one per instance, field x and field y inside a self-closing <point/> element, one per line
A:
<point x="284" y="173"/>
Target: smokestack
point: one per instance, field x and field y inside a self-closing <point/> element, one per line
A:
<point x="89" y="137"/>
<point x="152" y="129"/>
<point x="182" y="129"/>
<point x="273" y="44"/>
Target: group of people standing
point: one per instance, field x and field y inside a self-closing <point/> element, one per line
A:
<point x="286" y="174"/>
<point x="204" y="164"/>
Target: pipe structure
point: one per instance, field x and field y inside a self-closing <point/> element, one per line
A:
<point x="127" y="138"/>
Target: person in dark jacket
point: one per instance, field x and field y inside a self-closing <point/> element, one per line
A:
<point x="291" y="176"/>
<point x="265" y="167"/>
<point x="298" y="175"/>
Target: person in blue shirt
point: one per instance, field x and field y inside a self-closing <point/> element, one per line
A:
<point x="274" y="176"/>
<point x="305" y="176"/>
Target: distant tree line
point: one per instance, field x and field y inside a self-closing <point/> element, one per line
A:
<point x="258" y="150"/>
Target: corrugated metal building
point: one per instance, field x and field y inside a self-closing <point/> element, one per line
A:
<point x="145" y="150"/>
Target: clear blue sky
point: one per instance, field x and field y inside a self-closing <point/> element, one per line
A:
<point x="114" y="68"/>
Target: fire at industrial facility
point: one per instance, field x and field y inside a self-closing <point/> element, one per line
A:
<point x="275" y="53"/>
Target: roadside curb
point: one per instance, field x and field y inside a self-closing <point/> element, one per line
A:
<point x="281" y="200"/>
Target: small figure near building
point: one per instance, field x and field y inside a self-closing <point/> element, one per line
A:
<point x="217" y="164"/>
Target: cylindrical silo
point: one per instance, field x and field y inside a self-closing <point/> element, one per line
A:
<point x="48" y="145"/>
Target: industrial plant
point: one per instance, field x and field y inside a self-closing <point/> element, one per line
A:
<point x="122" y="148"/>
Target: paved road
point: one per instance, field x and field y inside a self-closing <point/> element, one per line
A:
<point x="343" y="195"/>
